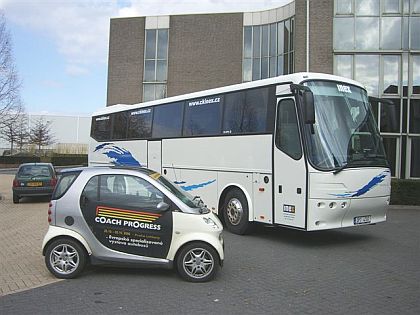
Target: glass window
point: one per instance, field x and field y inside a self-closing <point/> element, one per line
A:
<point x="415" y="36"/>
<point x="256" y="43"/>
<point x="273" y="36"/>
<point x="129" y="191"/>
<point x="343" y="33"/>
<point x="167" y="120"/>
<point x="273" y="66"/>
<point x="148" y="92"/>
<point x="264" y="68"/>
<point x="140" y="123"/>
<point x="101" y="128"/>
<point x="280" y="38"/>
<point x="391" y="74"/>
<point x="391" y="33"/>
<point x="280" y="62"/>
<point x="202" y="116"/>
<point x="162" y="44"/>
<point x="256" y="74"/>
<point x="367" y="33"/>
<point x="343" y="65"/>
<point x="344" y="6"/>
<point x="415" y="116"/>
<point x="265" y="41"/>
<point x="367" y="72"/>
<point x="247" y="41"/>
<point x="149" y="70"/>
<point x="286" y="64"/>
<point x="245" y="111"/>
<point x="286" y="35"/>
<point x="150" y="44"/>
<point x="415" y="157"/>
<point x="161" y="70"/>
<point x="119" y="129"/>
<point x="405" y="33"/>
<point x="160" y="91"/>
<point x="292" y="31"/>
<point x="390" y="116"/>
<point x="390" y="146"/>
<point x="416" y="74"/>
<point x="287" y="134"/>
<point x="367" y="7"/>
<point x="247" y="70"/>
<point x="65" y="180"/>
<point x="415" y="6"/>
<point x="391" y="6"/>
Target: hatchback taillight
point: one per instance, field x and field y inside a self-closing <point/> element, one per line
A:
<point x="15" y="183"/>
<point x="53" y="181"/>
<point x="49" y="212"/>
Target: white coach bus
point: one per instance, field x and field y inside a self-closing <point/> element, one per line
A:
<point x="300" y="150"/>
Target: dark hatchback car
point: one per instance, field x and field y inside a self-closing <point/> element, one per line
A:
<point x="34" y="179"/>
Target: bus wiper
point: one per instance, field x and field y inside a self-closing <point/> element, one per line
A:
<point x="339" y="169"/>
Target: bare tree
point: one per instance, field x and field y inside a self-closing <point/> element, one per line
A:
<point x="40" y="134"/>
<point x="14" y="128"/>
<point x="10" y="103"/>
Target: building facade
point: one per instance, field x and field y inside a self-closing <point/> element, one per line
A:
<point x="376" y="42"/>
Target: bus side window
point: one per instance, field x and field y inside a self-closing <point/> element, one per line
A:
<point x="287" y="132"/>
<point x="101" y="128"/>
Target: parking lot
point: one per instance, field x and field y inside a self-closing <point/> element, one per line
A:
<point x="368" y="269"/>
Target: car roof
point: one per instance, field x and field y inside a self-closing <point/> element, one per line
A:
<point x="35" y="164"/>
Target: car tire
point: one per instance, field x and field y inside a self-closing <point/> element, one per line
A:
<point x="197" y="262"/>
<point x="236" y="213"/>
<point x="15" y="198"/>
<point x="65" y="258"/>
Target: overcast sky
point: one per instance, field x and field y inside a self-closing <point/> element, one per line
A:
<point x="61" y="46"/>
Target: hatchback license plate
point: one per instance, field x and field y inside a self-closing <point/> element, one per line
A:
<point x="35" y="184"/>
<point x="362" y="220"/>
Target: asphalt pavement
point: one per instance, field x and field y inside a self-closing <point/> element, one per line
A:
<point x="362" y="270"/>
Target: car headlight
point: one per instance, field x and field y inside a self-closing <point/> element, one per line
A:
<point x="211" y="222"/>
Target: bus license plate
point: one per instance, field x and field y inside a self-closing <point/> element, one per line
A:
<point x="35" y="184"/>
<point x="362" y="220"/>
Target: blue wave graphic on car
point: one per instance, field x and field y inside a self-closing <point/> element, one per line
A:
<point x="369" y="186"/>
<point x="195" y="186"/>
<point x="118" y="156"/>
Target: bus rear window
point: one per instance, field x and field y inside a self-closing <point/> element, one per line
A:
<point x="101" y="128"/>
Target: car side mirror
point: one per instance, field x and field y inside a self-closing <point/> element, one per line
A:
<point x="162" y="206"/>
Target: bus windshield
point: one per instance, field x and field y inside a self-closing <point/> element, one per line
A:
<point x="345" y="133"/>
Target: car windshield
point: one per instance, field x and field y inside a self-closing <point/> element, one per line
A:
<point x="189" y="200"/>
<point x="34" y="171"/>
<point x="345" y="133"/>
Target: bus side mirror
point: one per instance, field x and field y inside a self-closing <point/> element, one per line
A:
<point x="308" y="107"/>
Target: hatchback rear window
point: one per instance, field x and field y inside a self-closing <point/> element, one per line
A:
<point x="35" y="171"/>
<point x="65" y="180"/>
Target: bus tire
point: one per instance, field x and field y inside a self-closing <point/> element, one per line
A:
<point x="236" y="212"/>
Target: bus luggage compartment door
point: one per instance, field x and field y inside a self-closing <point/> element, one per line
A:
<point x="154" y="155"/>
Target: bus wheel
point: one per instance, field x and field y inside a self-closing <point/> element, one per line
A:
<point x="235" y="212"/>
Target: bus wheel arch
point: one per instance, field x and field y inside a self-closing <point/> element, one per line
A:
<point x="234" y="209"/>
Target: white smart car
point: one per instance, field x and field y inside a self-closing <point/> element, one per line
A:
<point x="111" y="216"/>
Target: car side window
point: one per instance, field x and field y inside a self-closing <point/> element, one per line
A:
<point x="129" y="191"/>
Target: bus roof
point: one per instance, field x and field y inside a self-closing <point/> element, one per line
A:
<point x="292" y="78"/>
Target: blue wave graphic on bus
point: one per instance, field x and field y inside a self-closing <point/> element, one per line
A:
<point x="118" y="156"/>
<point x="195" y="186"/>
<point x="373" y="182"/>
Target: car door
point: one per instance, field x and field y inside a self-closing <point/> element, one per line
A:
<point x="122" y="213"/>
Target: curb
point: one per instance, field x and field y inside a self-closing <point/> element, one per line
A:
<point x="403" y="207"/>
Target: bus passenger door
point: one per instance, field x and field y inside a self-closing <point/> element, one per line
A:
<point x="154" y="155"/>
<point x="289" y="168"/>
